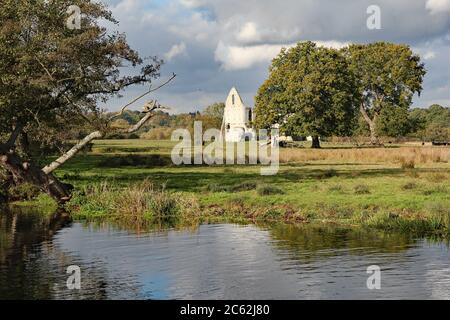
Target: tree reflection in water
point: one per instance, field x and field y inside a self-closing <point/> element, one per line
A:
<point x="32" y="267"/>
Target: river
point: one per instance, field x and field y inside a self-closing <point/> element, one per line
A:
<point x="216" y="261"/>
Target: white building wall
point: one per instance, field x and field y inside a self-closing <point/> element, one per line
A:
<point x="236" y="119"/>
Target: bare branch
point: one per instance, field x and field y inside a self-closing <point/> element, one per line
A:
<point x="149" y="107"/>
<point x="143" y="95"/>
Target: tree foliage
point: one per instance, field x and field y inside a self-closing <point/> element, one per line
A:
<point x="310" y="91"/>
<point x="388" y="75"/>
<point x="52" y="77"/>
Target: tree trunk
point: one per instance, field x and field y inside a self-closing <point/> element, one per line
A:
<point x="72" y="152"/>
<point x="315" y="142"/>
<point x="373" y="134"/>
<point x="23" y="171"/>
<point x="372" y="126"/>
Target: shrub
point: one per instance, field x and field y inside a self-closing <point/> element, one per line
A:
<point x="24" y="191"/>
<point x="362" y="189"/>
<point x="330" y="173"/>
<point x="335" y="188"/>
<point x="164" y="207"/>
<point x="409" y="186"/>
<point x="265" y="190"/>
<point x="214" y="187"/>
<point x="327" y="174"/>
<point x="244" y="186"/>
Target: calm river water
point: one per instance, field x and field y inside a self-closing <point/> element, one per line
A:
<point x="220" y="261"/>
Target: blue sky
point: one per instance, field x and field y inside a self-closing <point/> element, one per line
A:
<point x="213" y="45"/>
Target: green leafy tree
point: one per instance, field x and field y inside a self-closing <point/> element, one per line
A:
<point x="215" y="110"/>
<point x="52" y="78"/>
<point x="432" y="123"/>
<point x="388" y="75"/>
<point x="310" y="91"/>
<point x="212" y="117"/>
<point x="394" y="122"/>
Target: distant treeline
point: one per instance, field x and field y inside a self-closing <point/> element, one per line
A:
<point x="424" y="124"/>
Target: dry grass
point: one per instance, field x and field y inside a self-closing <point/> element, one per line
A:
<point x="402" y="155"/>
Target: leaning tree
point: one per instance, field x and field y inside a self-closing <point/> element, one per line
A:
<point x="310" y="91"/>
<point x="53" y="78"/>
<point x="388" y="75"/>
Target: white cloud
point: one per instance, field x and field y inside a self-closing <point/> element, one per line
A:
<point x="236" y="57"/>
<point x="192" y="27"/>
<point x="193" y="3"/>
<point x="243" y="36"/>
<point x="244" y="57"/>
<point x="176" y="50"/>
<point x="438" y="6"/>
<point x="248" y="33"/>
<point x="125" y="6"/>
<point x="429" y="55"/>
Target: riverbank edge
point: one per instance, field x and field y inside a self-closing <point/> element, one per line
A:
<point x="186" y="209"/>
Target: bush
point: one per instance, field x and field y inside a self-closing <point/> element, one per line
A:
<point x="24" y="191"/>
<point x="244" y="186"/>
<point x="214" y="187"/>
<point x="266" y="190"/>
<point x="164" y="207"/>
<point x="362" y="189"/>
<point x="409" y="186"/>
<point x="336" y="188"/>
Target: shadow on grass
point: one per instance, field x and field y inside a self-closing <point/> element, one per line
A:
<point x="86" y="169"/>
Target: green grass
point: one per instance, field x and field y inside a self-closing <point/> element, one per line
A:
<point x="379" y="195"/>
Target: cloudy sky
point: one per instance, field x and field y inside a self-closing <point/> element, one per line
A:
<point x="213" y="45"/>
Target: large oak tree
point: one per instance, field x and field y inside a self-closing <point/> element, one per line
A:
<point x="388" y="75"/>
<point x="310" y="91"/>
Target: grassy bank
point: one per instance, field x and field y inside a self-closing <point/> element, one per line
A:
<point x="397" y="188"/>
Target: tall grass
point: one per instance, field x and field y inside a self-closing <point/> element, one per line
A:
<point x="406" y="155"/>
<point x="138" y="202"/>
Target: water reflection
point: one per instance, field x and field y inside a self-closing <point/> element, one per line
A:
<point x="213" y="261"/>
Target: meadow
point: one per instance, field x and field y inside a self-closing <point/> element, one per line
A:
<point x="399" y="187"/>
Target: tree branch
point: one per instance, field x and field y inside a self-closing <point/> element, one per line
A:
<point x="148" y="109"/>
<point x="364" y="114"/>
<point x="12" y="138"/>
<point x="72" y="152"/>
<point x="143" y="95"/>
